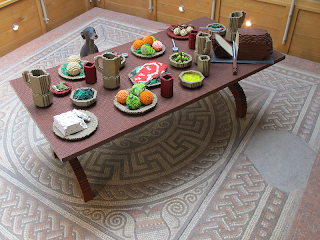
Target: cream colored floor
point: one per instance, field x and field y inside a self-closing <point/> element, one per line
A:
<point x="307" y="69"/>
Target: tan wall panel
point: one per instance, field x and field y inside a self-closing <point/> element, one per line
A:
<point x="308" y="24"/>
<point x="4" y="49"/>
<point x="139" y="4"/>
<point x="14" y="8"/>
<point x="20" y="18"/>
<point x="253" y="6"/>
<point x="65" y="17"/>
<point x="54" y="5"/>
<point x="170" y="20"/>
<point x="99" y="4"/>
<point x="304" y="53"/>
<point x="258" y="18"/>
<point x="303" y="42"/>
<point x="308" y="17"/>
<point x="203" y="6"/>
<point x="172" y="15"/>
<point x="26" y="27"/>
<point x="59" y="12"/>
<point x="139" y="12"/>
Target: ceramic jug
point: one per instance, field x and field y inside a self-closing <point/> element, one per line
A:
<point x="204" y="65"/>
<point x="235" y="21"/>
<point x="202" y="46"/>
<point x="39" y="81"/>
<point x="110" y="69"/>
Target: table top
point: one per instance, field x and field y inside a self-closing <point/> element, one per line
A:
<point x="114" y="123"/>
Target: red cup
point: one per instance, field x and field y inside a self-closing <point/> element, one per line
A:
<point x="192" y="38"/>
<point x="90" y="72"/>
<point x="167" y="85"/>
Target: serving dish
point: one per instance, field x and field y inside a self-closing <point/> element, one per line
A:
<point x="156" y="54"/>
<point x="84" y="103"/>
<point x="92" y="126"/>
<point x="190" y="84"/>
<point x="142" y="109"/>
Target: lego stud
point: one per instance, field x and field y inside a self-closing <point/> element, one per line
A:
<point x="15" y="27"/>
<point x="248" y="23"/>
<point x="182" y="8"/>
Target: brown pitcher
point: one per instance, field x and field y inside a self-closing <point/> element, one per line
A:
<point x="110" y="70"/>
<point x="203" y="45"/>
<point x="235" y="21"/>
<point x="39" y="81"/>
<point x="204" y="65"/>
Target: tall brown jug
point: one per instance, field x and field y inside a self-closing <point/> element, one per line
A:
<point x="110" y="70"/>
<point x="203" y="45"/>
<point x="39" y="81"/>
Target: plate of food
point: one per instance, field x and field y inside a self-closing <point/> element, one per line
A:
<point x="216" y="28"/>
<point x="180" y="60"/>
<point x="148" y="74"/>
<point x="91" y="124"/>
<point x="180" y="31"/>
<point x="73" y="69"/>
<point x="136" y="100"/>
<point x="61" y="89"/>
<point x="191" y="79"/>
<point x="148" y="47"/>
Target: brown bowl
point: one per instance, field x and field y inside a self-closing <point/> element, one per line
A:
<point x="191" y="84"/>
<point x="221" y="32"/>
<point x="84" y="103"/>
<point x="180" y="65"/>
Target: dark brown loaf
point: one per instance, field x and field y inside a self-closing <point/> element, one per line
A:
<point x="254" y="44"/>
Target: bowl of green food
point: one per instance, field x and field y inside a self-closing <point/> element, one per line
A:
<point x="191" y="79"/>
<point x="180" y="60"/>
<point x="83" y="96"/>
<point x="216" y="28"/>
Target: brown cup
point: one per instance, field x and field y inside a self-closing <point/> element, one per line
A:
<point x="192" y="38"/>
<point x="90" y="72"/>
<point x="167" y="85"/>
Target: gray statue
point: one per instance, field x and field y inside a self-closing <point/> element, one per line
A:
<point x="89" y="34"/>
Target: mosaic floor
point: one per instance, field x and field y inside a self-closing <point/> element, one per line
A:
<point x="190" y="175"/>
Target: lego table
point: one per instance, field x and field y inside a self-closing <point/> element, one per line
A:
<point x="114" y="123"/>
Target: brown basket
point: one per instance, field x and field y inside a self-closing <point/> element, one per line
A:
<point x="220" y="32"/>
<point x="191" y="84"/>
<point x="180" y="65"/>
<point x="84" y="103"/>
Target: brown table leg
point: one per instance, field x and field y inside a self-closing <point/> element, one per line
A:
<point x="240" y="99"/>
<point x="80" y="177"/>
